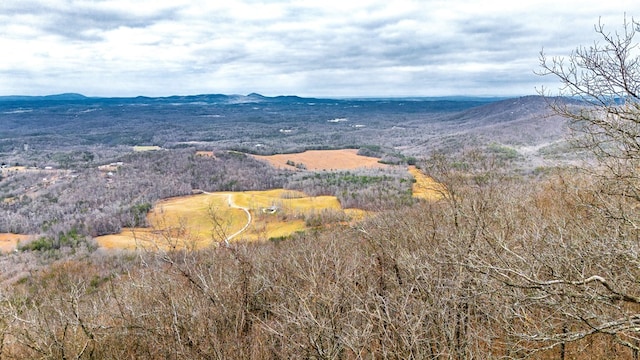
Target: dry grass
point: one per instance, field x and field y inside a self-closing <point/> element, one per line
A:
<point x="291" y="208"/>
<point x="146" y="148"/>
<point x="12" y="169"/>
<point x="185" y="221"/>
<point x="150" y="239"/>
<point x="357" y="214"/>
<point x="205" y="154"/>
<point x="323" y="160"/>
<point x="291" y="202"/>
<point x="8" y="241"/>
<point x="198" y="221"/>
<point x="426" y="187"/>
<point x="195" y="213"/>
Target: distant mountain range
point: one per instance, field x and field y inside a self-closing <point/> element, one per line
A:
<point x="232" y="99"/>
<point x="57" y="97"/>
<point x="255" y="123"/>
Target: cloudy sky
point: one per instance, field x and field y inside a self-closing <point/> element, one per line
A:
<point x="330" y="48"/>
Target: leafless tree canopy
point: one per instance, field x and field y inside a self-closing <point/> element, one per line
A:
<point x="605" y="75"/>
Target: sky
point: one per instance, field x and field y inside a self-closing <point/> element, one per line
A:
<point x="321" y="48"/>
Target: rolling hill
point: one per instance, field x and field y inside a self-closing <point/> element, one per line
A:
<point x="268" y="125"/>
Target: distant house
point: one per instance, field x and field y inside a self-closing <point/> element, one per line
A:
<point x="270" y="210"/>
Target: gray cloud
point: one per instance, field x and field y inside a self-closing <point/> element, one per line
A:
<point x="315" y="48"/>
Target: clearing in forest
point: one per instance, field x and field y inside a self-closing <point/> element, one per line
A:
<point x="204" y="153"/>
<point x="9" y="242"/>
<point x="197" y="221"/>
<point x="425" y="187"/>
<point x="138" y="148"/>
<point x="10" y="169"/>
<point x="322" y="160"/>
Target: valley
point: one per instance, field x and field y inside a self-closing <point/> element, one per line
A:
<point x="254" y="227"/>
<point x="98" y="183"/>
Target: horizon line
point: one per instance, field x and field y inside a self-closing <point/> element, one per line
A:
<point x="79" y="96"/>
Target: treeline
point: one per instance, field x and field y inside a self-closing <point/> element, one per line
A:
<point x="367" y="189"/>
<point x="503" y="267"/>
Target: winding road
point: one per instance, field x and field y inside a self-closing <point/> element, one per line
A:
<point x="249" y="219"/>
<point x="232" y="205"/>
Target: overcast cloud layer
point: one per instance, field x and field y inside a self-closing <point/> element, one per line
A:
<point x="329" y="48"/>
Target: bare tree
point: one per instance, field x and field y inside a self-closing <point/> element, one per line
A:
<point x="605" y="77"/>
<point x="575" y="269"/>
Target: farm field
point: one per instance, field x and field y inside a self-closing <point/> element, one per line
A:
<point x="425" y="186"/>
<point x="11" y="169"/>
<point x="323" y="160"/>
<point x="196" y="221"/>
<point x="205" y="153"/>
<point x="8" y="242"/>
<point x="139" y="148"/>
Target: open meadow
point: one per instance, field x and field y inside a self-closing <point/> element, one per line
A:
<point x="323" y="160"/>
<point x="425" y="187"/>
<point x="8" y="241"/>
<point x="196" y="221"/>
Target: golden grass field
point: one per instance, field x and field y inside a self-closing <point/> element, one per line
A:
<point x="11" y="169"/>
<point x="8" y="241"/>
<point x="196" y="221"/>
<point x="323" y="160"/>
<point x="425" y="186"/>
<point x="205" y="153"/>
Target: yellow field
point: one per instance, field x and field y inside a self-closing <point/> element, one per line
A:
<point x="8" y="241"/>
<point x="357" y="214"/>
<point x="11" y="169"/>
<point x="292" y="202"/>
<point x="426" y="187"/>
<point x="323" y="160"/>
<point x="146" y="148"/>
<point x="205" y="153"/>
<point x="200" y="220"/>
